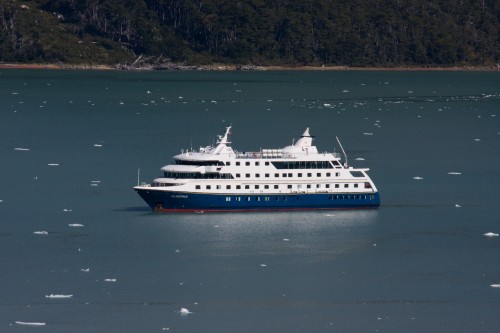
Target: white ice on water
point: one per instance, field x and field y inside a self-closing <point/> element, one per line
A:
<point x="21" y="149"/>
<point x="184" y="311"/>
<point x="76" y="225"/>
<point x="58" y="296"/>
<point x="110" y="280"/>
<point x="418" y="178"/>
<point x="53" y="164"/>
<point x="454" y="173"/>
<point x="41" y="232"/>
<point x="495" y="285"/>
<point x="29" y="323"/>
<point x="490" y="234"/>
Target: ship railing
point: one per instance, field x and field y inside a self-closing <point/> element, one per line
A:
<point x="265" y="153"/>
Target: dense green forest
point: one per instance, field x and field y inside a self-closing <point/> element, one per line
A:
<point x="259" y="32"/>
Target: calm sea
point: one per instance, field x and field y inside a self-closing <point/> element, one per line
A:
<point x="72" y="227"/>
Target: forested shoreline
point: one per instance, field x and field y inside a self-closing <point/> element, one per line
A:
<point x="159" y="33"/>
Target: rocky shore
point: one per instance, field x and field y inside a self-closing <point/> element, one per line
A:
<point x="232" y="67"/>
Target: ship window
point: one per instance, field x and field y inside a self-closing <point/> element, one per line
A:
<point x="318" y="174"/>
<point x="266" y="187"/>
<point x="228" y="163"/>
<point x="357" y="174"/>
<point x="218" y="187"/>
<point x="238" y="175"/>
<point x="367" y="185"/>
<point x="248" y="198"/>
<point x="346" y="185"/>
<point x="276" y="175"/>
<point x="289" y="175"/>
<point x="267" y="163"/>
<point x="237" y="163"/>
<point x="337" y="174"/>
<point x="299" y="174"/>
<point x="266" y="175"/>
<point x="247" y="187"/>
<point x="318" y="185"/>
<point x="327" y="185"/>
<point x="238" y="199"/>
<point x="247" y="175"/>
<point x="337" y="185"/>
<point x="283" y="174"/>
<point x="238" y="187"/>
<point x="289" y="186"/>
<point x="257" y="198"/>
<point x="308" y="186"/>
<point x="208" y="187"/>
<point x="328" y="174"/>
<point x="247" y="163"/>
<point x="256" y="163"/>
<point x="228" y="187"/>
<point x="309" y="174"/>
<point x="276" y="187"/>
<point x="355" y="185"/>
<point x="198" y="187"/>
<point x="256" y="187"/>
<point x="257" y="175"/>
<point x="228" y="198"/>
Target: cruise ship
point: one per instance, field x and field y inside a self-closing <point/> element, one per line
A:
<point x="218" y="178"/>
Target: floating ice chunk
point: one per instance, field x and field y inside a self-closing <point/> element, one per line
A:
<point x="177" y="251"/>
<point x="345" y="91"/>
<point x="97" y="145"/>
<point x="263" y="265"/>
<point x="41" y="232"/>
<point x="76" y="225"/>
<point x="286" y="239"/>
<point x="477" y="140"/>
<point x="490" y="234"/>
<point x="418" y="178"/>
<point x="360" y="159"/>
<point x="184" y="311"/>
<point x="67" y="210"/>
<point x="86" y="270"/>
<point x="458" y="205"/>
<point x="110" y="280"/>
<point x="495" y="285"/>
<point x="53" y="164"/>
<point x="366" y="133"/>
<point x="329" y="215"/>
<point x="148" y="92"/>
<point x="58" y="296"/>
<point x="29" y="323"/>
<point x="327" y="105"/>
<point x="21" y="149"/>
<point x="454" y="173"/>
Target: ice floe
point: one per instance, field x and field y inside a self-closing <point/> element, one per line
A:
<point x="360" y="159"/>
<point x="490" y="234"/>
<point x="184" y="311"/>
<point x="41" y="232"/>
<point x="97" y="145"/>
<point x="53" y="164"/>
<point x="495" y="285"/>
<point x="86" y="270"/>
<point x="366" y="133"/>
<point x="76" y="225"/>
<point x="21" y="149"/>
<point x="263" y="265"/>
<point x="286" y="239"/>
<point x="58" y="296"/>
<point x="67" y="210"/>
<point x="458" y="205"/>
<point x="418" y="178"/>
<point x="110" y="280"/>
<point x="30" y="323"/>
<point x="454" y="173"/>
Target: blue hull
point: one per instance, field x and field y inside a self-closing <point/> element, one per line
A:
<point x="193" y="202"/>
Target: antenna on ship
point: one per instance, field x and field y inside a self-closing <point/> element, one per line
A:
<point x="138" y="176"/>
<point x="345" y="164"/>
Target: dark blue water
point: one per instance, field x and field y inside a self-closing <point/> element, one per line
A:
<point x="72" y="142"/>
